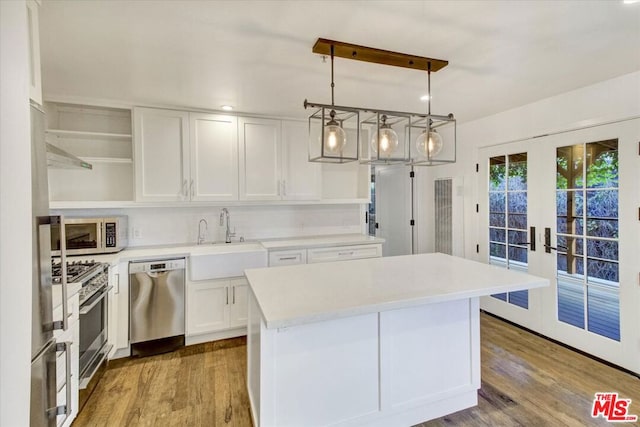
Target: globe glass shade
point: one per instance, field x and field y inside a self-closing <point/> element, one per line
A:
<point x="430" y="147"/>
<point x="335" y="139"/>
<point x="387" y="140"/>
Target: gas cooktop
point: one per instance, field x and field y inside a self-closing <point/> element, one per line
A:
<point x="91" y="275"/>
<point x="77" y="271"/>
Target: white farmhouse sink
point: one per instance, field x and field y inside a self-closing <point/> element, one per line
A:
<point x="218" y="261"/>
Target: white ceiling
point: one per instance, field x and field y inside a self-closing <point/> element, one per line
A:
<point x="256" y="55"/>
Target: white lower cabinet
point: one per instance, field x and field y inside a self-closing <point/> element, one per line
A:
<point x="216" y="305"/>
<point x="118" y="332"/>
<point x="239" y="303"/>
<point x="207" y="306"/>
<point x="70" y="379"/>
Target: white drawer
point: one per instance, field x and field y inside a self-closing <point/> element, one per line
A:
<point x="292" y="257"/>
<point x="343" y="253"/>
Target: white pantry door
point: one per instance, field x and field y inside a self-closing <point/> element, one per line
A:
<point x="583" y="196"/>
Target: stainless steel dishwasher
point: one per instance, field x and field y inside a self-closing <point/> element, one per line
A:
<point x="156" y="306"/>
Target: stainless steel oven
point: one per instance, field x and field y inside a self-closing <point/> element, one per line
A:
<point x="94" y="313"/>
<point x="98" y="235"/>
<point x="93" y="277"/>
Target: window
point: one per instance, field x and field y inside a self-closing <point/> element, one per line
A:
<point x="587" y="230"/>
<point x="508" y="218"/>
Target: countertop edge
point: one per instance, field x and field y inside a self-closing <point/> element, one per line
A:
<point x="178" y="251"/>
<point x="393" y="305"/>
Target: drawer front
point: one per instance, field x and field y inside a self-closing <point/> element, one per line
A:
<point x="278" y="258"/>
<point x="344" y="253"/>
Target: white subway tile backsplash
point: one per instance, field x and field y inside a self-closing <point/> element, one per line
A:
<point x="173" y="225"/>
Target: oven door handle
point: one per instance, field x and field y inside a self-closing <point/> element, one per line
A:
<point x="86" y="310"/>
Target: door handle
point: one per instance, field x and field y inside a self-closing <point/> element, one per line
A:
<point x="66" y="408"/>
<point x="547" y="242"/>
<point x="532" y="237"/>
<point x="86" y="310"/>
<point x="45" y="242"/>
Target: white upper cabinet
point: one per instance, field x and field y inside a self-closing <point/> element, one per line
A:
<point x="35" y="80"/>
<point x="202" y="157"/>
<point x="301" y="179"/>
<point x="214" y="157"/>
<point x="274" y="161"/>
<point x="260" y="157"/>
<point x="161" y="154"/>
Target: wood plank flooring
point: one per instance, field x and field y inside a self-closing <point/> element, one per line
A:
<point x="526" y="381"/>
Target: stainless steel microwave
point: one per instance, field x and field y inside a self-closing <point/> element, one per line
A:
<point x="84" y="236"/>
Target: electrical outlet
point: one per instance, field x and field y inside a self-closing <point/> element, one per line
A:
<point x="136" y="233"/>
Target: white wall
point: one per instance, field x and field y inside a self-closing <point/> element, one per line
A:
<point x="610" y="100"/>
<point x="15" y="217"/>
<point x="172" y="225"/>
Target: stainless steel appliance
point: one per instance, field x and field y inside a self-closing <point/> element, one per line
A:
<point x="156" y="306"/>
<point x="93" y="346"/>
<point x="85" y="236"/>
<point x="44" y="409"/>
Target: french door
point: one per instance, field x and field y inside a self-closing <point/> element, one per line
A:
<point x="565" y="207"/>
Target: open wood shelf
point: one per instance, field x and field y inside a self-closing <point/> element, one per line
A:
<point x="75" y="134"/>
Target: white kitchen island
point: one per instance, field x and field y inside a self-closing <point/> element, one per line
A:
<point x="376" y="342"/>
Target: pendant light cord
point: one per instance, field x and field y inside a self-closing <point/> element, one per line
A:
<point x="332" y="83"/>
<point x="429" y="86"/>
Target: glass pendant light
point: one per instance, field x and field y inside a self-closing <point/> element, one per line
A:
<point x="335" y="137"/>
<point x="386" y="139"/>
<point x="429" y="142"/>
<point x="429" y="147"/>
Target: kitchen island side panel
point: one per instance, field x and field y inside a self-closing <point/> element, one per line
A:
<point x="429" y="353"/>
<point x="398" y="367"/>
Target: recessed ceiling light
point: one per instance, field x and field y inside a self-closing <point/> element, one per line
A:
<point x="425" y="98"/>
<point x="227" y="107"/>
<point x="631" y="1"/>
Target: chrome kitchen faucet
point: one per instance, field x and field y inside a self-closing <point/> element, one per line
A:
<point x="224" y="216"/>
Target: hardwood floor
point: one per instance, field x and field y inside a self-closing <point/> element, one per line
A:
<point x="526" y="381"/>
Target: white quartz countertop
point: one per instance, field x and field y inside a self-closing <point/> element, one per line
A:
<point x="299" y="294"/>
<point x="185" y="250"/>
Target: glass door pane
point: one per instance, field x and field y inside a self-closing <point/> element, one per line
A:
<point x="587" y="237"/>
<point x="508" y="236"/>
